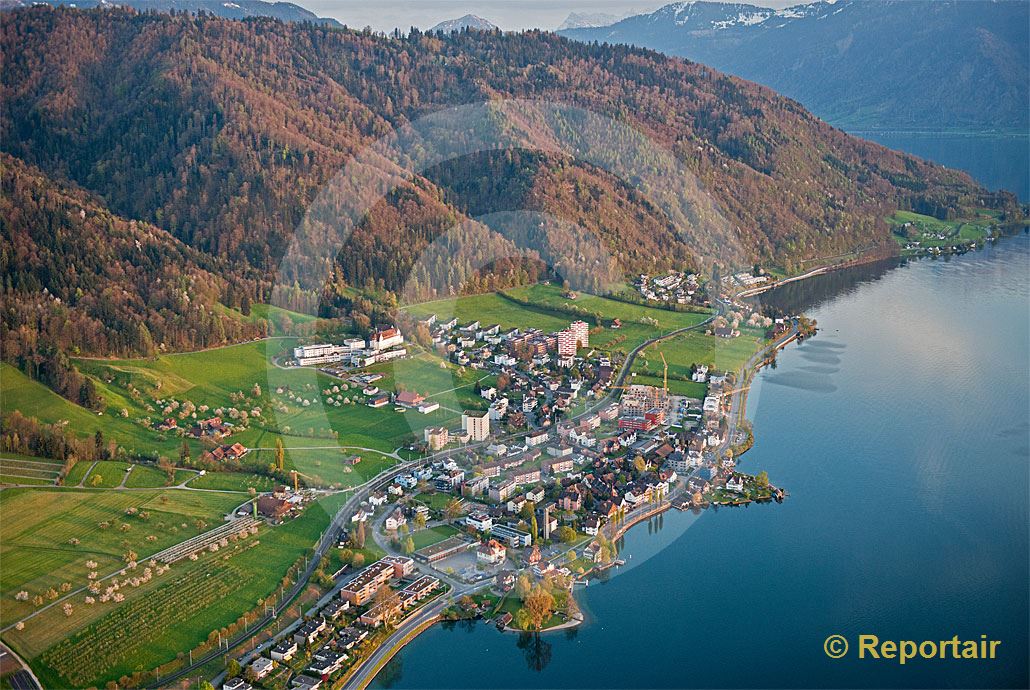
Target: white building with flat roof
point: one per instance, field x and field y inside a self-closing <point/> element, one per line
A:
<point x="476" y="424"/>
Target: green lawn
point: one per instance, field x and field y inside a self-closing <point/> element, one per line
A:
<point x="106" y="474"/>
<point x="932" y="232"/>
<point x="435" y="501"/>
<point x="37" y="527"/>
<point x="22" y="480"/>
<point x="232" y="481"/>
<point x="432" y="535"/>
<point x="77" y="472"/>
<point x="490" y="308"/>
<point x="144" y="476"/>
<point x="548" y="314"/>
<point x="727" y="354"/>
<point x="25" y="469"/>
<point x="172" y="613"/>
<point x="33" y="399"/>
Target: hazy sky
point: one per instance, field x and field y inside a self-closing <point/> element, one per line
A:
<point x="385" y="15"/>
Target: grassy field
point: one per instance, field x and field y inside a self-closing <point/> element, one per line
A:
<point x="145" y="477"/>
<point x="171" y="613"/>
<point x="932" y="232"/>
<point x="231" y="378"/>
<point x="726" y="354"/>
<point x="25" y="469"/>
<point x="38" y="528"/>
<point x="232" y="481"/>
<point x="77" y="473"/>
<point x="491" y="308"/>
<point x="106" y="474"/>
<point x="432" y="535"/>
<point x="638" y="322"/>
<point x="33" y="399"/>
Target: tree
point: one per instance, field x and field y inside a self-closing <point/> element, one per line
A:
<point x="566" y="534"/>
<point x="232" y="668"/>
<point x="639" y="464"/>
<point x="409" y="545"/>
<point x="420" y="520"/>
<point x="184" y="453"/>
<point x="539" y="605"/>
<point x="762" y="480"/>
<point x="453" y="509"/>
<point x="523" y="585"/>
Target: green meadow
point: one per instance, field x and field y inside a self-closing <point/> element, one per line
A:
<point x="47" y="535"/>
<point x="933" y="232"/>
<point x="694" y="347"/>
<point x="551" y="311"/>
<point x="171" y="613"/>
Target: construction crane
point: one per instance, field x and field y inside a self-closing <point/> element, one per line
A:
<point x="665" y="373"/>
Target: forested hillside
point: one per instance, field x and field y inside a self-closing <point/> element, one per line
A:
<point x="78" y="279"/>
<point x="201" y="141"/>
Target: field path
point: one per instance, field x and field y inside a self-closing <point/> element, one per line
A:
<point x="82" y="482"/>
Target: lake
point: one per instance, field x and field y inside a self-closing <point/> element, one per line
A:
<point x="998" y="162"/>
<point x="901" y="432"/>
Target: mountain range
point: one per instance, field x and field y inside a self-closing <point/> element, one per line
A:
<point x="230" y="9"/>
<point x="886" y="65"/>
<point x="469" y="21"/>
<point x="156" y="167"/>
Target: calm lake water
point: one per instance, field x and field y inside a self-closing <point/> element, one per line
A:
<point x="902" y="434"/>
<point x="998" y="162"/>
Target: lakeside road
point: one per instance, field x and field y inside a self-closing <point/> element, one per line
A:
<point x="339" y="521"/>
<point x="738" y="399"/>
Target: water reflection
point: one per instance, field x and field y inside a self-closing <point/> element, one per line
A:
<point x="536" y="650"/>
<point x="805" y="295"/>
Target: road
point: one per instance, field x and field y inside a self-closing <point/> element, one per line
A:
<point x="342" y="517"/>
<point x="367" y="668"/>
<point x="739" y="398"/>
<point x="21" y="679"/>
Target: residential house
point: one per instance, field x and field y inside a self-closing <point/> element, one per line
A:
<point x="591" y="525"/>
<point x="284" y="651"/>
<point x="326" y="662"/>
<point x="479" y="521"/>
<point x="503" y="490"/>
<point x="309" y="631"/>
<point x="409" y="399"/>
<point x="492" y="552"/>
<point x="395" y="519"/>
<point x="261" y="667"/>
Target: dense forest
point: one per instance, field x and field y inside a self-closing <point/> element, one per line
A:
<point x="158" y="166"/>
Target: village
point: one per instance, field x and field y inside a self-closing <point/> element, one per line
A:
<point x="522" y="501"/>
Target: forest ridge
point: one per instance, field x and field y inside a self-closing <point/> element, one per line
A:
<point x="151" y="156"/>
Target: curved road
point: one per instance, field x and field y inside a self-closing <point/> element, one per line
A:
<point x="340" y="520"/>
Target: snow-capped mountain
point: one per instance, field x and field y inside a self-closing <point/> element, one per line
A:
<point x="469" y="21"/>
<point x="861" y="64"/>
<point x="584" y="20"/>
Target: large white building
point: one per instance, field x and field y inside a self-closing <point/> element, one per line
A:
<point x="385" y="339"/>
<point x="581" y="329"/>
<point x="575" y="336"/>
<point x="327" y="353"/>
<point x="323" y="353"/>
<point x="476" y="424"/>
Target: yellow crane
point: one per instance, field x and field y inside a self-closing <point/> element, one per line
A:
<point x="665" y="373"/>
